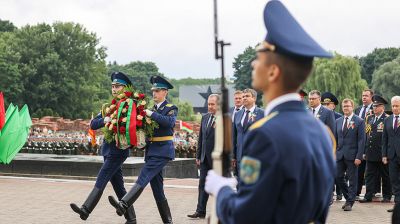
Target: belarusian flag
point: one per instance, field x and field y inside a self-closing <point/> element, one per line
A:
<point x="92" y="134"/>
<point x="185" y="126"/>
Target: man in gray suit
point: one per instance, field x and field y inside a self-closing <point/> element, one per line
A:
<point x="243" y="120"/>
<point x="204" y="150"/>
<point x="350" y="138"/>
<point x="391" y="147"/>
<point x="320" y="112"/>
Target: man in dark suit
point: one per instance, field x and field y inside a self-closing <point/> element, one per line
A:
<point x="375" y="169"/>
<point x="204" y="150"/>
<point x="365" y="111"/>
<point x="330" y="101"/>
<point x="320" y="112"/>
<point x="391" y="147"/>
<point x="238" y="100"/>
<point x="350" y="138"/>
<point x="243" y="120"/>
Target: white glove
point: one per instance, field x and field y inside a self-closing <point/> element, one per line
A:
<point x="215" y="182"/>
<point x="148" y="112"/>
<point x="106" y="120"/>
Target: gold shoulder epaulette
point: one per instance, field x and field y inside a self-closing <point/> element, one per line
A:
<point x="169" y="105"/>
<point x="262" y="121"/>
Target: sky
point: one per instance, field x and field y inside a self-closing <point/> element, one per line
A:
<point x="178" y="34"/>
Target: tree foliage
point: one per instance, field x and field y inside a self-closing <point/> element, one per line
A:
<point x="386" y="79"/>
<point x="56" y="69"/>
<point x="340" y="75"/>
<point x="376" y="58"/>
<point x="6" y="26"/>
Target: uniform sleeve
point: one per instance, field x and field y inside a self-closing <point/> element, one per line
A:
<point x="200" y="141"/>
<point x="97" y="122"/>
<point x="243" y="207"/>
<point x="385" y="138"/>
<point x="361" y="140"/>
<point x="166" y="121"/>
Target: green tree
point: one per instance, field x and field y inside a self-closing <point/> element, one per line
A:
<point x="185" y="110"/>
<point x="10" y="76"/>
<point x="6" y="26"/>
<point x="242" y="71"/>
<point x="386" y="79"/>
<point x="62" y="67"/>
<point x="376" y="58"/>
<point x="340" y="75"/>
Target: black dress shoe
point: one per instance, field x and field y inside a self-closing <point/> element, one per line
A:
<point x="339" y="197"/>
<point x="365" y="200"/>
<point x="197" y="215"/>
<point x="385" y="200"/>
<point x="390" y="210"/>
<point x="347" y="208"/>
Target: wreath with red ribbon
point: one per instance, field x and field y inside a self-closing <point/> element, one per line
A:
<point x="127" y="124"/>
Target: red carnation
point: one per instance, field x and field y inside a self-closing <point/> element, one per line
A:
<point x="115" y="129"/>
<point x="141" y="96"/>
<point x="140" y="108"/>
<point x="122" y="129"/>
<point x="143" y="113"/>
<point x="128" y="94"/>
<point x="139" y="123"/>
<point x="114" y="101"/>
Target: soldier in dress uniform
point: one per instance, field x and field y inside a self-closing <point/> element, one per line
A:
<point x="375" y="169"/>
<point x="114" y="157"/>
<point x="287" y="170"/>
<point x="159" y="151"/>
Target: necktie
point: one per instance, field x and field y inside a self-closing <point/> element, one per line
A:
<point x="210" y="121"/>
<point x="246" y="118"/>
<point x="364" y="111"/>
<point x="396" y="122"/>
<point x="313" y="112"/>
<point x="345" y="126"/>
<point x="237" y="109"/>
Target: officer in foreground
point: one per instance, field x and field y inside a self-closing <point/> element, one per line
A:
<point x="159" y="151"/>
<point x="287" y="173"/>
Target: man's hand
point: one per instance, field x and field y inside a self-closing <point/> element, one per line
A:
<point x="384" y="160"/>
<point x="148" y="112"/>
<point x="233" y="163"/>
<point x="357" y="162"/>
<point x="197" y="162"/>
<point x="215" y="182"/>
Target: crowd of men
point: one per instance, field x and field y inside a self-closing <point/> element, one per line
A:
<point x="367" y="143"/>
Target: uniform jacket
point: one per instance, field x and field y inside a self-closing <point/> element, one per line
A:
<point x="390" y="139"/>
<point x="206" y="140"/>
<point x="107" y="149"/>
<point x="337" y="115"/>
<point x="374" y="131"/>
<point x="351" y="144"/>
<point x="165" y="116"/>
<point x="294" y="156"/>
<point x="238" y="131"/>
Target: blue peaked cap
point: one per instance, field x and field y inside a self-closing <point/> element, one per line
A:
<point x="120" y="78"/>
<point x="286" y="36"/>
<point x="159" y="82"/>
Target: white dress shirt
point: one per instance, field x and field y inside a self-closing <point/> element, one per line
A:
<point x="348" y="120"/>
<point x="250" y="113"/>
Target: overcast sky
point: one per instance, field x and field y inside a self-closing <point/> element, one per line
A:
<point x="178" y="34"/>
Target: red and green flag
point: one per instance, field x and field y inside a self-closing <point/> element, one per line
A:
<point x="186" y="126"/>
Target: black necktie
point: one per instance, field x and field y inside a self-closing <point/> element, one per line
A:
<point x="345" y="127"/>
<point x="237" y="109"/>
<point x="246" y="118"/>
<point x="396" y="123"/>
<point x="313" y="112"/>
<point x="363" y="113"/>
<point x="210" y="121"/>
